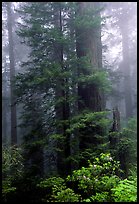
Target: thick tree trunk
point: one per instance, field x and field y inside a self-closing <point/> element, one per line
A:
<point x="12" y="74"/>
<point x="88" y="43"/>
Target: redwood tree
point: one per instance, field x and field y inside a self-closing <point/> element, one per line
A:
<point x="88" y="44"/>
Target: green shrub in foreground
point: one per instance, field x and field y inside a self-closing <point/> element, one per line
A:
<point x="92" y="183"/>
<point x="96" y="183"/>
<point x="125" y="191"/>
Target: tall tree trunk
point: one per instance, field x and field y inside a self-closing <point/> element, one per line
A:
<point x="4" y="107"/>
<point x="88" y="42"/>
<point x="12" y="74"/>
<point x="62" y="108"/>
<point x="126" y="70"/>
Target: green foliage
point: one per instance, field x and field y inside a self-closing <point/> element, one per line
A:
<point x="56" y="182"/>
<point x="12" y="162"/>
<point x="57" y="191"/>
<point x="126" y="191"/>
<point x="130" y="131"/>
<point x="7" y="189"/>
<point x="89" y="19"/>
<point x="45" y="78"/>
<point x="96" y="183"/>
<point x="46" y="88"/>
<point x="93" y="183"/>
<point x="92" y="129"/>
<point x="94" y="119"/>
<point x="100" y="197"/>
<point x="126" y="148"/>
<point x="12" y="169"/>
<point x="98" y="177"/>
<point x="52" y="185"/>
<point x="99" y="78"/>
<point x="67" y="195"/>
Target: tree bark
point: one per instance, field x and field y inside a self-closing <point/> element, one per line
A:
<point x="12" y="74"/>
<point x="88" y="42"/>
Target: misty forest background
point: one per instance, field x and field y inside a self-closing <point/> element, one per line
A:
<point x="69" y="101"/>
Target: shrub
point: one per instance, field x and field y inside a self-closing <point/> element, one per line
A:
<point x="98" y="178"/>
<point x="12" y="167"/>
<point x="66" y="195"/>
<point x="125" y="191"/>
<point x="96" y="183"/>
<point x="52" y="186"/>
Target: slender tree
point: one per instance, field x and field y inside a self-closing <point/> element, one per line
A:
<point x="62" y="108"/>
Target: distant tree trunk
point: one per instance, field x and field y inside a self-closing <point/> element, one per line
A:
<point x="4" y="121"/>
<point x="126" y="70"/>
<point x="12" y="74"/>
<point x="4" y="107"/>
